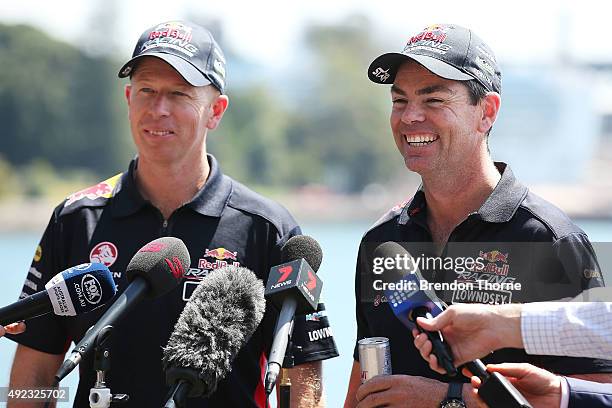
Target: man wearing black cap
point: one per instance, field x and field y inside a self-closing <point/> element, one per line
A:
<point x="172" y="188"/>
<point x="445" y="92"/>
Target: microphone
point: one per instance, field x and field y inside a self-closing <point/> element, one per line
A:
<point x="76" y="290"/>
<point x="155" y="269"/>
<point x="293" y="287"/>
<point x="408" y="301"/>
<point x="495" y="389"/>
<point x="219" y="319"/>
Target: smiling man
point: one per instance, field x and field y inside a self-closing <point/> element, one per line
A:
<point x="173" y="187"/>
<point x="446" y="95"/>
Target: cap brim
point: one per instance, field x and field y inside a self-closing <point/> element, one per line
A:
<point x="384" y="68"/>
<point x="190" y="73"/>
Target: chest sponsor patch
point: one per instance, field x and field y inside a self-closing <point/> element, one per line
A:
<point x="105" y="253"/>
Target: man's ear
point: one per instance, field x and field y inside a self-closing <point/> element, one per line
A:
<point x="219" y="106"/>
<point x="490" y="107"/>
<point x="128" y="92"/>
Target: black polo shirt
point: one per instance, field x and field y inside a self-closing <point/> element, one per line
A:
<point x="520" y="239"/>
<point x="225" y="223"/>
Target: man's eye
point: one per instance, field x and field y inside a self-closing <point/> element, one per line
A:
<point x="146" y="90"/>
<point x="179" y="93"/>
<point x="434" y="100"/>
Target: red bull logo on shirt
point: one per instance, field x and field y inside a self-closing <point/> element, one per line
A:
<point x="103" y="189"/>
<point x="494" y="256"/>
<point x="221" y="256"/>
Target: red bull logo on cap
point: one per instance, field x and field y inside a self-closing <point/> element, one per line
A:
<point x="103" y="189"/>
<point x="174" y="29"/>
<point x="435" y="33"/>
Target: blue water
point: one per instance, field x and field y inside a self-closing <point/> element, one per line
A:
<point x="339" y="242"/>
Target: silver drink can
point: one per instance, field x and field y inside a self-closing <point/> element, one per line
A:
<point x="374" y="357"/>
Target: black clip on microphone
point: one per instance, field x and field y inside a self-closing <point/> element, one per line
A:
<point x="495" y="389"/>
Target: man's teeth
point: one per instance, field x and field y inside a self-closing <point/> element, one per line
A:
<point x="160" y="132"/>
<point x="420" y="140"/>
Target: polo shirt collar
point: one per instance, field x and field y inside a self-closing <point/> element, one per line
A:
<point x="500" y="206"/>
<point x="210" y="200"/>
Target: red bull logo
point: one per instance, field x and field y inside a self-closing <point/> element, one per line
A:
<point x="173" y="29"/>
<point x="221" y="254"/>
<point x="103" y="189"/>
<point x="105" y="253"/>
<point x="494" y="256"/>
<point x="435" y="33"/>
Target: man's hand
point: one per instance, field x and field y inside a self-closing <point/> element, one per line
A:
<point x="472" y="331"/>
<point x="395" y="391"/>
<point x="14" y="328"/>
<point x="541" y="388"/>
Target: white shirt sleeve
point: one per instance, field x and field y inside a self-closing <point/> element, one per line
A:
<point x="575" y="329"/>
<point x="564" y="393"/>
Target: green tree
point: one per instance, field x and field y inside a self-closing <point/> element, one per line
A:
<point x="59" y="104"/>
<point x="344" y="120"/>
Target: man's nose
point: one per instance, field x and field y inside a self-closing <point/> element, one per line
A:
<point x="160" y="106"/>
<point x="413" y="113"/>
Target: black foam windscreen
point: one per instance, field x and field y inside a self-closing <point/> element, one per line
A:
<point x="162" y="263"/>
<point x="219" y="319"/>
<point x="303" y="246"/>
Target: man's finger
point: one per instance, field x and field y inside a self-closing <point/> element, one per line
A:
<point x="15" y="328"/>
<point x="376" y="384"/>
<point x="433" y="364"/>
<point x="475" y="381"/>
<point x="517" y="370"/>
<point x="424" y="346"/>
<point x="437" y="323"/>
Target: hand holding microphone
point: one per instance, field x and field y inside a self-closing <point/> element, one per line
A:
<point x="411" y="303"/>
<point x="472" y="331"/>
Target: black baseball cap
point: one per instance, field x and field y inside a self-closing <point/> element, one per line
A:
<point x="187" y="47"/>
<point x="449" y="51"/>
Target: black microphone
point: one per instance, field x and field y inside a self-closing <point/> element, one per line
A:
<point x="156" y="269"/>
<point x="76" y="290"/>
<point x="219" y="319"/>
<point x="408" y="300"/>
<point x="293" y="287"/>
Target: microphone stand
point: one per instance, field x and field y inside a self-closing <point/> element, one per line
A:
<point x="100" y="395"/>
